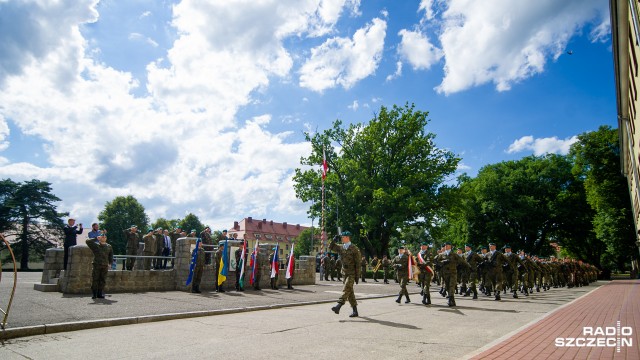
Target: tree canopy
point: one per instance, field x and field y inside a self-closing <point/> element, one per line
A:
<point x="28" y="211"/>
<point x="382" y="175"/>
<point x="119" y="214"/>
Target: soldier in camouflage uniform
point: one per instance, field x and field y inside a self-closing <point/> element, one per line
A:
<point x="401" y="265"/>
<point x="425" y="265"/>
<point x="149" y="248"/>
<point x="332" y="267"/>
<point x="133" y="238"/>
<point x="157" y="262"/>
<point x="326" y="266"/>
<point x="385" y="268"/>
<point x="529" y="275"/>
<point x="447" y="262"/>
<point x="363" y="268"/>
<point x="216" y="268"/>
<point x="374" y="263"/>
<point x="102" y="259"/>
<point x="516" y="266"/>
<point x="175" y="235"/>
<point x="496" y="261"/>
<point x="337" y="267"/>
<point x="350" y="255"/>
<point x="474" y="260"/>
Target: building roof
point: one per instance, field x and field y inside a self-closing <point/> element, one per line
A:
<point x="267" y="229"/>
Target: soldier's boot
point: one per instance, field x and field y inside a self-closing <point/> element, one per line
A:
<point x="95" y="294"/>
<point x="100" y="294"/>
<point x="336" y="309"/>
<point x="452" y="301"/>
<point x="376" y="280"/>
<point x="424" y="299"/>
<point x="355" y="312"/>
<point x="497" y="295"/>
<point x="428" y="299"/>
<point x="475" y="295"/>
<point x="504" y="291"/>
<point x="537" y="288"/>
<point x="515" y="294"/>
<point x="399" y="298"/>
<point x="467" y="293"/>
<point x="407" y="299"/>
<point x="198" y="289"/>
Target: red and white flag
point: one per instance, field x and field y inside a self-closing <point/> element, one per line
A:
<point x="325" y="167"/>
<point x="291" y="266"/>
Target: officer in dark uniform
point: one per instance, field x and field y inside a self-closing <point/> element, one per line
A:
<point x="350" y="255"/>
<point x="71" y="232"/>
<point x="102" y="259"/>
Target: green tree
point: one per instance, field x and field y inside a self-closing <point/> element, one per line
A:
<point x="596" y="156"/>
<point x="190" y="222"/>
<point x="118" y="215"/>
<point x="165" y="224"/>
<point x="304" y="244"/>
<point x="529" y="203"/>
<point x="28" y="211"/>
<point x="387" y="174"/>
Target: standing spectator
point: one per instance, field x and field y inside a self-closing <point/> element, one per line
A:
<point x="71" y="231"/>
<point x="197" y="271"/>
<point x="159" y="248"/>
<point x="239" y="264"/>
<point x="133" y="238"/>
<point x="216" y="268"/>
<point x="166" y="251"/>
<point x="102" y="259"/>
<point x="93" y="234"/>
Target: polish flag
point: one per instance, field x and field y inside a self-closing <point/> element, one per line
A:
<point x="291" y="265"/>
<point x="325" y="167"/>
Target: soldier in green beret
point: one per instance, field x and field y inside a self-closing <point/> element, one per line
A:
<point x="102" y="259"/>
<point x="149" y="248"/>
<point x="401" y="264"/>
<point x="133" y="238"/>
<point x="198" y="269"/>
<point x="447" y="262"/>
<point x="425" y="265"/>
<point x="350" y="255"/>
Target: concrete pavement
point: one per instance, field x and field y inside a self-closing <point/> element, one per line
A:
<point x="385" y="329"/>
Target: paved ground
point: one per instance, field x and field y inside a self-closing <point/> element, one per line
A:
<point x="385" y="329"/>
<point x="618" y="301"/>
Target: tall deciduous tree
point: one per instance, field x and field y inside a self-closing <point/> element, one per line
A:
<point x="119" y="214"/>
<point x="28" y="211"/>
<point x="191" y="222"/>
<point x="597" y="159"/>
<point x="303" y="243"/>
<point x="386" y="174"/>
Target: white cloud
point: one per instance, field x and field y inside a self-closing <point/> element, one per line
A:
<point x="140" y="37"/>
<point x="494" y="41"/>
<point x="427" y="7"/>
<point x="4" y="134"/>
<point x="416" y="48"/>
<point x="463" y="167"/>
<point x="180" y="148"/>
<point x="343" y="61"/>
<point x="397" y="73"/>
<point x="541" y="146"/>
<point x="354" y="106"/>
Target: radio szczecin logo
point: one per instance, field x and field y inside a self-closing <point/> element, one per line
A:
<point x="609" y="336"/>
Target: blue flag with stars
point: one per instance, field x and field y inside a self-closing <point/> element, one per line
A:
<point x="194" y="258"/>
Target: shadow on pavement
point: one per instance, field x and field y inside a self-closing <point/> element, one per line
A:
<point x="383" y="322"/>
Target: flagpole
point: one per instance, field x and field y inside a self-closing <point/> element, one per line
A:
<point x="323" y="235"/>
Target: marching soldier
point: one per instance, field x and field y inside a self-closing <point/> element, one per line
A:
<point x="337" y="268"/>
<point x="401" y="265"/>
<point x="495" y="261"/>
<point x="474" y="260"/>
<point x="425" y="265"/>
<point x="447" y="262"/>
<point x="350" y="269"/>
<point x="102" y="259"/>
<point x="516" y="265"/>
<point x="375" y="264"/>
<point x="363" y="268"/>
<point x="385" y="267"/>
<point x="133" y="238"/>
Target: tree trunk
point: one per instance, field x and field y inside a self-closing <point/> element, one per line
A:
<point x="24" y="259"/>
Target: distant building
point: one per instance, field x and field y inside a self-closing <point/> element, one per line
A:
<point x="625" y="32"/>
<point x="267" y="231"/>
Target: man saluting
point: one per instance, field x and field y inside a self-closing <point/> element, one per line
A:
<point x="350" y="255"/>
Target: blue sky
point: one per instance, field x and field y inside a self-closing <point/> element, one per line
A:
<point x="201" y="107"/>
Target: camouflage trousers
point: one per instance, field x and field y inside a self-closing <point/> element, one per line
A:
<point x="197" y="275"/>
<point x="449" y="281"/>
<point x="495" y="280"/>
<point x="99" y="277"/>
<point x="347" y="291"/>
<point x="403" y="285"/>
<point x="131" y="261"/>
<point x="425" y="280"/>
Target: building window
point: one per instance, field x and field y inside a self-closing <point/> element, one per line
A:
<point x="268" y="236"/>
<point x="287" y="247"/>
<point x="257" y="236"/>
<point x="279" y="237"/>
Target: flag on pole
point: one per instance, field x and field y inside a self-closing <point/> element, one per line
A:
<point x="325" y="167"/>
<point x="224" y="266"/>
<point x="275" y="265"/>
<point x="242" y="263"/>
<point x="192" y="266"/>
<point x="254" y="260"/>
<point x="410" y="265"/>
<point x="291" y="266"/>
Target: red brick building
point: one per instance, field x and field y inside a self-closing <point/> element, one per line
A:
<point x="267" y="231"/>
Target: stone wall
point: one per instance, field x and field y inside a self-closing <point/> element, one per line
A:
<point x="77" y="279"/>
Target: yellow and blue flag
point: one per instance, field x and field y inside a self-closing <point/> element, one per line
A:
<point x="224" y="266"/>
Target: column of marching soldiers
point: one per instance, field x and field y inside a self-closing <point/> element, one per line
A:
<point x="467" y="273"/>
